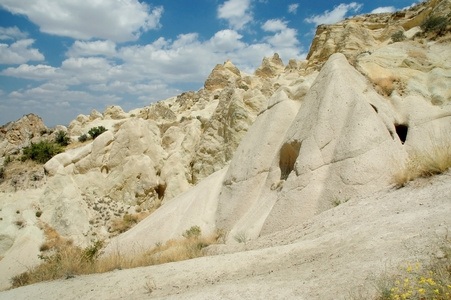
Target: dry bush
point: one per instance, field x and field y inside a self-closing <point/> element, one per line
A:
<point x="429" y="161"/>
<point x="123" y="224"/>
<point x="385" y="85"/>
<point x="62" y="259"/>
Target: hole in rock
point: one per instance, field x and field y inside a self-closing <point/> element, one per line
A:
<point x="288" y="155"/>
<point x="401" y="131"/>
<point x="104" y="170"/>
<point x="160" y="189"/>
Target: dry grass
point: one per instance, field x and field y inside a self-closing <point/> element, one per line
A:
<point x="433" y="160"/>
<point x="385" y="85"/>
<point x="123" y="224"/>
<point x="62" y="259"/>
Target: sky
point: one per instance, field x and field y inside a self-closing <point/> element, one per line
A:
<point x="62" y="58"/>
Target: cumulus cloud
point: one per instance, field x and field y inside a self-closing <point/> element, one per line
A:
<point x="284" y="38"/>
<point x="337" y="14"/>
<point x="19" y="52"/>
<point x="11" y="33"/>
<point x="38" y="72"/>
<point x="236" y="12"/>
<point x="95" y="48"/>
<point x="226" y="41"/>
<point x="384" y="9"/>
<point x="116" y="20"/>
<point x="293" y="8"/>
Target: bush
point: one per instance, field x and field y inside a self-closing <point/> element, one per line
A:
<point x="41" y="152"/>
<point x="83" y="138"/>
<point x="91" y="252"/>
<point x="194" y="231"/>
<point x="96" y="131"/>
<point x="398" y="36"/>
<point x="62" y="138"/>
<point x="435" y="24"/>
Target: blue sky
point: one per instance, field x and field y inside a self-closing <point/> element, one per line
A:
<point x="62" y="58"/>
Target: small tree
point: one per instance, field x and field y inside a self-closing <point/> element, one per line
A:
<point x="96" y="131"/>
<point x="62" y="138"/>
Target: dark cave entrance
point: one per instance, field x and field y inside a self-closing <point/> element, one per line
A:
<point x="401" y="131"/>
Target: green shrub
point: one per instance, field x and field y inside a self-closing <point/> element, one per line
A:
<point x="96" y="131"/>
<point x="83" y="138"/>
<point x="2" y="173"/>
<point x="435" y="24"/>
<point x="398" y="36"/>
<point x="62" y="138"/>
<point x="194" y="231"/>
<point x="90" y="253"/>
<point x="41" y="152"/>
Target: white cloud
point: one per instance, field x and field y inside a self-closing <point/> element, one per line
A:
<point x="226" y="41"/>
<point x="95" y="48"/>
<point x="11" y="33"/>
<point x="284" y="39"/>
<point x="116" y="20"/>
<point x="236" y="12"/>
<point x="384" y="9"/>
<point x="337" y="14"/>
<point x="293" y="8"/>
<point x="19" y="52"/>
<point x="274" y="25"/>
<point x="38" y="72"/>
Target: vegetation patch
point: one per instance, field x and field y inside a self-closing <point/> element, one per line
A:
<point x="435" y="24"/>
<point x="41" y="152"/>
<point x="433" y="160"/>
<point x="398" y="37"/>
<point x="417" y="281"/>
<point x="62" y="259"/>
<point x="96" y="131"/>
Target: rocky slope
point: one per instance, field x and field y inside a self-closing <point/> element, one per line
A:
<point x="253" y="155"/>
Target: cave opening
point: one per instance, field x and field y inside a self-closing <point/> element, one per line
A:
<point x="401" y="131"/>
<point x="288" y="155"/>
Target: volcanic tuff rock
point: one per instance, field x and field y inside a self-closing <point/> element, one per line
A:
<point x="19" y="134"/>
<point x="252" y="155"/>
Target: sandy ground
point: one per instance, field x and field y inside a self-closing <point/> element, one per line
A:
<point x="336" y="255"/>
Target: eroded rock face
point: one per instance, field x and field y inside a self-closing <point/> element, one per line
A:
<point x="369" y="32"/>
<point x="271" y="67"/>
<point x="16" y="135"/>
